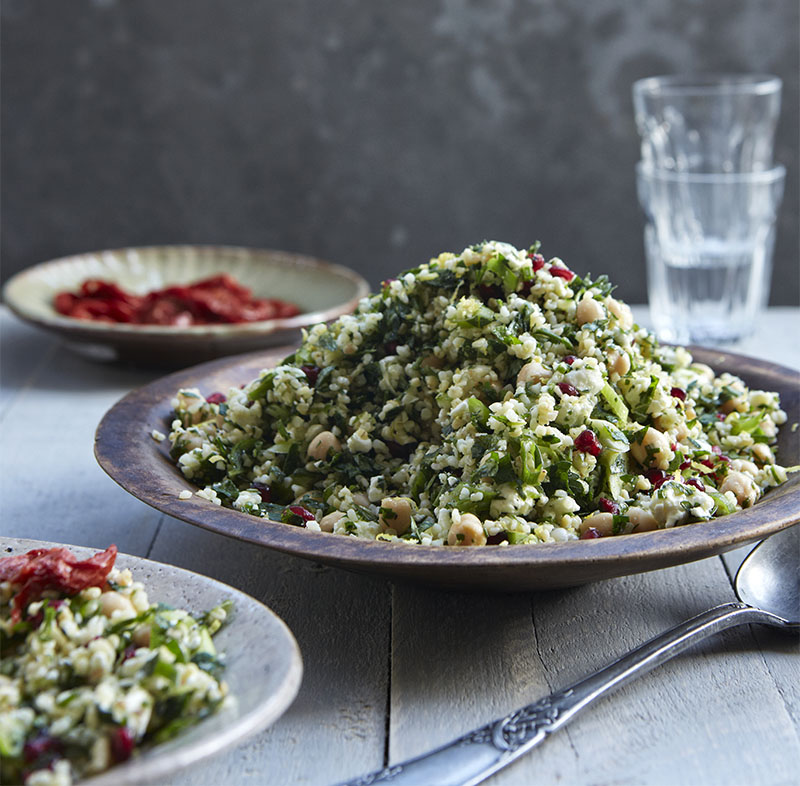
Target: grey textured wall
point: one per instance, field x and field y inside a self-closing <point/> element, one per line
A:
<point x="374" y="133"/>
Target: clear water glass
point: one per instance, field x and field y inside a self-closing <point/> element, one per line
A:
<point x="708" y="123"/>
<point x="708" y="242"/>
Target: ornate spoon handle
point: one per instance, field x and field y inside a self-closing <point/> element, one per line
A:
<point x="480" y="753"/>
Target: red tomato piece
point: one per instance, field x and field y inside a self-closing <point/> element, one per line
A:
<point x="165" y="310"/>
<point x="218" y="299"/>
<point x="53" y="569"/>
<point x="64" y="302"/>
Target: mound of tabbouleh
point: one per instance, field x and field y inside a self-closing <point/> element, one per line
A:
<point x="489" y="397"/>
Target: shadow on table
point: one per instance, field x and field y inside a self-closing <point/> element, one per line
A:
<point x="27" y="364"/>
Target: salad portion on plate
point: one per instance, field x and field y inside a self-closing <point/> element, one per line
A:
<point x="99" y="668"/>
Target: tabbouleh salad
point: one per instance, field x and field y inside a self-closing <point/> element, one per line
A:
<point x="488" y="397"/>
<point x="91" y="669"/>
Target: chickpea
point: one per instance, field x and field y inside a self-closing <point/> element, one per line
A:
<point x="532" y="372"/>
<point x="328" y="522"/>
<point x="659" y="454"/>
<point x="467" y="531"/>
<point x="642" y="520"/>
<point x="763" y="453"/>
<point x="431" y="361"/>
<point x="742" y="487"/>
<point x="743" y="465"/>
<point x="395" y="514"/>
<point x="681" y="431"/>
<point x="702" y="370"/>
<point x="619" y="363"/>
<point x="360" y="498"/>
<point x="324" y="442"/>
<point x="141" y="636"/>
<point x="602" y="522"/>
<point x="112" y="603"/>
<point x="768" y="427"/>
<point x="738" y="404"/>
<point x="621" y="311"/>
<point x="589" y="310"/>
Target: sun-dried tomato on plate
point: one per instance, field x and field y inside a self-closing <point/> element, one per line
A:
<point x="219" y="299"/>
<point x="57" y="569"/>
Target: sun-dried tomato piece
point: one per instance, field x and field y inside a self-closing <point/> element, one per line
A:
<point x="165" y="310"/>
<point x="497" y="538"/>
<point x="53" y="569"/>
<point x="64" y="302"/>
<point x="107" y="290"/>
<point x="217" y="299"/>
<point x="264" y="490"/>
<point x="489" y="291"/>
<point x="41" y="746"/>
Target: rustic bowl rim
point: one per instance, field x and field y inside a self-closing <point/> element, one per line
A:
<point x="127" y="453"/>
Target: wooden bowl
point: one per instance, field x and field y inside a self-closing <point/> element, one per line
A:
<point x="126" y="451"/>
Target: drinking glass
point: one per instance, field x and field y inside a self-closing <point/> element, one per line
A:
<point x="708" y="123"/>
<point x="708" y="243"/>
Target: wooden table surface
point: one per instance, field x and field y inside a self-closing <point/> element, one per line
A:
<point x="390" y="670"/>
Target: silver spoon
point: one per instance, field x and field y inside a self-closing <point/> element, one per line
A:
<point x="768" y="586"/>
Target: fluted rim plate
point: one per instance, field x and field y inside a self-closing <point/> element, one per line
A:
<point x="323" y="291"/>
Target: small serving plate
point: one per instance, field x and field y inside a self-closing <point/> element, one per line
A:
<point x="263" y="666"/>
<point x="322" y="290"/>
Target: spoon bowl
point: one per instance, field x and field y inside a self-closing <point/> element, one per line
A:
<point x="769" y="578"/>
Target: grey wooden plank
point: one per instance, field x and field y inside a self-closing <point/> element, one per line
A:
<point x="50" y="484"/>
<point x="460" y="660"/>
<point x="23" y="351"/>
<point x="461" y="656"/>
<point x="341" y="621"/>
<point x="699" y="719"/>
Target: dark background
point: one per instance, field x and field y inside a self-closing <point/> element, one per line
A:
<point x="371" y="133"/>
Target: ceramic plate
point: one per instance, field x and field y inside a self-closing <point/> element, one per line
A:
<point x="126" y="451"/>
<point x="322" y="290"/>
<point x="263" y="665"/>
